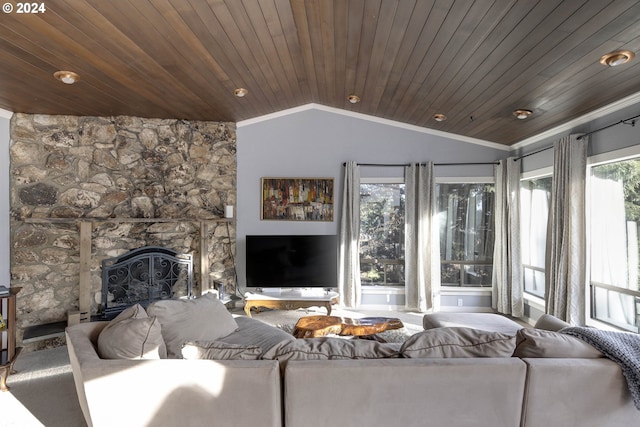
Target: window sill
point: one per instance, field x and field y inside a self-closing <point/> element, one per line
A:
<point x="446" y="290"/>
<point x="594" y="323"/>
<point x="383" y="290"/>
<point x="535" y="302"/>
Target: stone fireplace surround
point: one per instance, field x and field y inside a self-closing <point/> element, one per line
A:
<point x="88" y="188"/>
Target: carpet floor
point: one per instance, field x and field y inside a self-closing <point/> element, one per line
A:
<point x="42" y="392"/>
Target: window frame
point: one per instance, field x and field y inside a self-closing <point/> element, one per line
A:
<point x="620" y="155"/>
<point x="471" y="290"/>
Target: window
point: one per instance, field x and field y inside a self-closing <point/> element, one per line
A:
<point x="382" y="234"/>
<point x="535" y="196"/>
<point x="466" y="233"/>
<point x="614" y="218"/>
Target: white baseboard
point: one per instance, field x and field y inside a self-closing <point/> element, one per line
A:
<point x="384" y="307"/>
<point x="446" y="308"/>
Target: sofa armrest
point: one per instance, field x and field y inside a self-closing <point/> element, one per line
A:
<point x="81" y="345"/>
<point x="171" y="392"/>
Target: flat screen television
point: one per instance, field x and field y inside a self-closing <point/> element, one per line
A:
<point x="296" y="261"/>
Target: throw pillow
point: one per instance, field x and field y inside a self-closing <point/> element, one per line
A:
<point x="327" y="348"/>
<point x="132" y="335"/>
<point x="200" y="319"/>
<point x="458" y="342"/>
<point x="218" y="350"/>
<point x="533" y="342"/>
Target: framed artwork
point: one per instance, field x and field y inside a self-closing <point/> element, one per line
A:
<point x="297" y="199"/>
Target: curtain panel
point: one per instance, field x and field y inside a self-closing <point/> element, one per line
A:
<point x="422" y="240"/>
<point x="349" y="258"/>
<point x="507" y="295"/>
<point x="566" y="254"/>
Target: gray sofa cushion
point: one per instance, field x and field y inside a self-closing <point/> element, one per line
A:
<point x="132" y="335"/>
<point x="329" y="348"/>
<point x="550" y="323"/>
<point x="218" y="350"/>
<point x="458" y="342"/>
<point x="257" y="333"/>
<point x="533" y="342"/>
<point x="182" y="320"/>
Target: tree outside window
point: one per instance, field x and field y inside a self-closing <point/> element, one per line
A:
<point x="466" y="215"/>
<point x="382" y="208"/>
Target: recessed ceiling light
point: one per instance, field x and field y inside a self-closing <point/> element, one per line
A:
<point x="439" y="117"/>
<point x="66" y="77"/>
<point x="354" y="99"/>
<point x="240" y="92"/>
<point x="522" y="114"/>
<point x="616" y="58"/>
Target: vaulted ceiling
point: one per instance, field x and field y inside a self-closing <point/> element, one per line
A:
<point x="473" y="61"/>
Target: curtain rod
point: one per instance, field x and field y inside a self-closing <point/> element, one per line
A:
<point x="621" y="122"/>
<point x="435" y="164"/>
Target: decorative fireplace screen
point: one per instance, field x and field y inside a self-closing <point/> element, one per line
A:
<point x="142" y="276"/>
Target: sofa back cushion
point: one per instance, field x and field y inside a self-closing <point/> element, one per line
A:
<point x="219" y="350"/>
<point x="182" y="320"/>
<point x="531" y="342"/>
<point x="256" y="333"/>
<point x="329" y="348"/>
<point x="458" y="342"/>
<point x="132" y="335"/>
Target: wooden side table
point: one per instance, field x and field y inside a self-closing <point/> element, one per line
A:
<point x="289" y="300"/>
<point x="9" y="354"/>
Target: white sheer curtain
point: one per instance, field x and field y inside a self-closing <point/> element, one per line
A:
<point x="534" y="213"/>
<point x="507" y="263"/>
<point x="349" y="262"/>
<point x="422" y="240"/>
<point x="614" y="250"/>
<point x="566" y="254"/>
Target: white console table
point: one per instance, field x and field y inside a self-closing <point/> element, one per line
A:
<point x="290" y="300"/>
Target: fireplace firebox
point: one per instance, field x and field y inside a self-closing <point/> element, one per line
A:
<point x="142" y="276"/>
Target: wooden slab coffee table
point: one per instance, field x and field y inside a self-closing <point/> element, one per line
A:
<point x="320" y="326"/>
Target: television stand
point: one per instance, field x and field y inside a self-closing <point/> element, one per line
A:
<point x="290" y="300"/>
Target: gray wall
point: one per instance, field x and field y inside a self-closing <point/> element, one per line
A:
<point x="611" y="139"/>
<point x="5" y="252"/>
<point x="316" y="143"/>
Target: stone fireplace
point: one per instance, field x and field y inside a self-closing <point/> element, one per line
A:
<point x="84" y="189"/>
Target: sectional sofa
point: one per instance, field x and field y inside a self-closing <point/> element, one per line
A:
<point x="243" y="372"/>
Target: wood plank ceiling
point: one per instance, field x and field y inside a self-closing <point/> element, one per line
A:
<point x="474" y="61"/>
